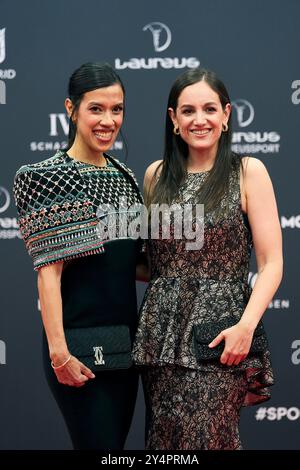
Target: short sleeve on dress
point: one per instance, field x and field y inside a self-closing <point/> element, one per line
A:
<point x="57" y="220"/>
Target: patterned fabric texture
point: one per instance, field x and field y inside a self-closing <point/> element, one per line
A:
<point x="193" y="410"/>
<point x="58" y="199"/>
<point x="192" y="287"/>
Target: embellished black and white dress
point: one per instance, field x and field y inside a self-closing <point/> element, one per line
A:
<point x="62" y="205"/>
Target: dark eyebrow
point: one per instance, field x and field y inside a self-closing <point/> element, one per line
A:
<point x="209" y="103"/>
<point x="95" y="103"/>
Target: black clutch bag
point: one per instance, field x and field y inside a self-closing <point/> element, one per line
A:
<point x="101" y="347"/>
<point x="204" y="333"/>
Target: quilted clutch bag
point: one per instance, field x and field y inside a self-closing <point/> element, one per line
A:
<point x="204" y="333"/>
<point x="101" y="347"/>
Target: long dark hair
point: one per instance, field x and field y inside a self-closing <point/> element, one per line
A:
<point x="174" y="165"/>
<point x="88" y="77"/>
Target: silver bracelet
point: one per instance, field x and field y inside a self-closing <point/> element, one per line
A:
<point x="62" y="365"/>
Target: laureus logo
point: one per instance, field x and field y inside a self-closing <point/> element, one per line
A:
<point x="161" y="35"/>
<point x="2" y="45"/>
<point x="4" y="199"/>
<point x="244" y="112"/>
<point x="245" y="141"/>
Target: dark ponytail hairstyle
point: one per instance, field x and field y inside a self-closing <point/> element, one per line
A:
<point x="88" y="77"/>
<point x="174" y="165"/>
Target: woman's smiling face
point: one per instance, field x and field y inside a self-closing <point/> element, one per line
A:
<point x="199" y="116"/>
<point x="99" y="118"/>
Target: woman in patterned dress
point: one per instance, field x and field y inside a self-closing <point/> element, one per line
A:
<point x="84" y="279"/>
<point x="193" y="403"/>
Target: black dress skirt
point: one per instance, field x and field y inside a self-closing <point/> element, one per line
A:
<point x="99" y="290"/>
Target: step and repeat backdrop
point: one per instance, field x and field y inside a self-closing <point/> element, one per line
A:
<point x="254" y="48"/>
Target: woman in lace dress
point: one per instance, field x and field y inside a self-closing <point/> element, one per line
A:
<point x="194" y="403"/>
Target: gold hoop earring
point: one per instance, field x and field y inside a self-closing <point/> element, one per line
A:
<point x="224" y="127"/>
<point x="176" y="130"/>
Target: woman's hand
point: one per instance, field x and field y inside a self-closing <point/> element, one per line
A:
<point x="73" y="373"/>
<point x="238" y="340"/>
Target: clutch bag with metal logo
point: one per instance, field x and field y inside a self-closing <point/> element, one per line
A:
<point x="204" y="333"/>
<point x="101" y="347"/>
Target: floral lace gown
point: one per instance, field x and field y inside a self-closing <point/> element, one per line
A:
<point x="192" y="405"/>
